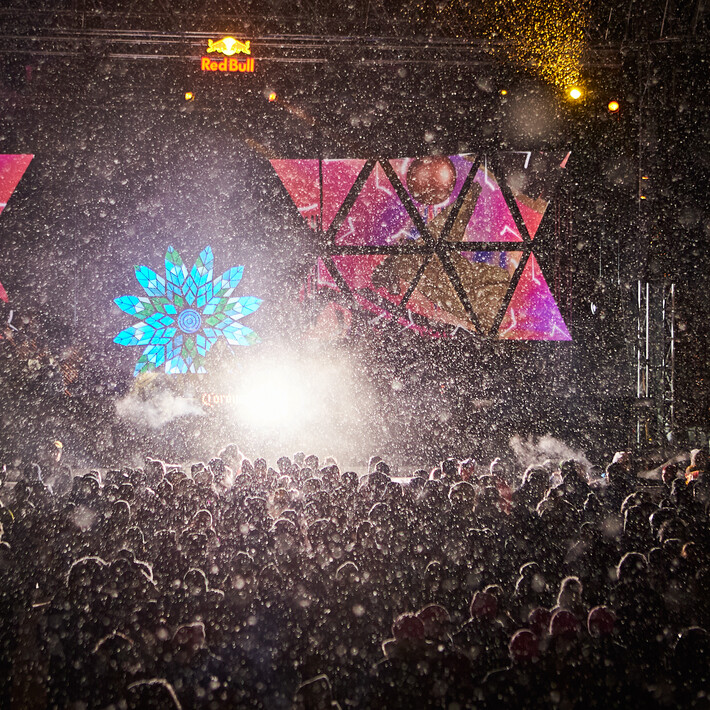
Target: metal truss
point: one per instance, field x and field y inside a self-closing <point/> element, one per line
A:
<point x="454" y="20"/>
<point x="402" y="31"/>
<point x="456" y="32"/>
<point x="668" y="305"/>
<point x="429" y="246"/>
<point x="311" y="17"/>
<point x="637" y="22"/>
<point x="655" y="363"/>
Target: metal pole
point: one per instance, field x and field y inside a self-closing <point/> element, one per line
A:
<point x="638" y="340"/>
<point x="648" y="338"/>
<point x="638" y="360"/>
<point x="663" y="21"/>
<point x="671" y="392"/>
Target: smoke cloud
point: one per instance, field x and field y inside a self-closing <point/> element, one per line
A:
<point x="157" y="410"/>
<point x="530" y="451"/>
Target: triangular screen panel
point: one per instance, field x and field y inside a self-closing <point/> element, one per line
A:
<point x="302" y="180"/>
<point x="491" y="220"/>
<point x="338" y="178"/>
<point x="12" y="168"/>
<point x="385" y="279"/>
<point x="378" y="217"/>
<point x="436" y="299"/>
<point x="486" y="276"/>
<point x="532" y="313"/>
<point x="533" y="178"/>
<point x="460" y="166"/>
<point x="324" y="278"/>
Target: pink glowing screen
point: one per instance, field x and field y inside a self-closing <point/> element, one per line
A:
<point x="504" y="284"/>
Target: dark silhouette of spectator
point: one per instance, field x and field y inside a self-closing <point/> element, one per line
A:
<point x="234" y="584"/>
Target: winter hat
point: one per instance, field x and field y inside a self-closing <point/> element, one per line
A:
<point x="524" y="647"/>
<point x="154" y="693"/>
<point x="483" y="606"/>
<point x="564" y="624"/>
<point x="436" y="621"/>
<point x="632" y="567"/>
<point x="408" y="627"/>
<point x="601" y="621"/>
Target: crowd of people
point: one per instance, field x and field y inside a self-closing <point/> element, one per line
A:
<point x="233" y="584"/>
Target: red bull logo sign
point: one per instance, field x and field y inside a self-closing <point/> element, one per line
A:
<point x="227" y="64"/>
<point x="228" y="47"/>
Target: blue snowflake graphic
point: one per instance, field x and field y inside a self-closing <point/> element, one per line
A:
<point x="184" y="314"/>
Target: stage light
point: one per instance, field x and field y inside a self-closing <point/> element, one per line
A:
<point x="613" y="106"/>
<point x="189" y="96"/>
<point x="286" y="393"/>
<point x="304" y="398"/>
<point x="272" y="96"/>
<point x="575" y="93"/>
<point x="271" y="397"/>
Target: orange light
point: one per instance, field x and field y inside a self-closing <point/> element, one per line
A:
<point x="272" y="96"/>
<point x="613" y="106"/>
<point x="189" y="96"/>
<point x="575" y="93"/>
<point x="504" y="92"/>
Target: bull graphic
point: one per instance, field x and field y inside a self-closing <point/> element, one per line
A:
<point x="228" y="46"/>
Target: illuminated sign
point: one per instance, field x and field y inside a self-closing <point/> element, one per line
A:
<point x="227" y="64"/>
<point x="228" y="47"/>
<point x="210" y="399"/>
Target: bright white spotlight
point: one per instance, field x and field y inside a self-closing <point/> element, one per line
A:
<point x="309" y="399"/>
<point x="271" y="395"/>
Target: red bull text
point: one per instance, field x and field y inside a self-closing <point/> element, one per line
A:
<point x="227" y="64"/>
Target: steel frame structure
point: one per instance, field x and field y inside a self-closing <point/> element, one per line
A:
<point x="668" y="363"/>
<point x="380" y="31"/>
<point x="633" y="21"/>
<point x="655" y="363"/>
<point x="310" y="30"/>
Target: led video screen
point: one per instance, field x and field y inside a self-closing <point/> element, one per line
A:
<point x="184" y="314"/>
<point x="438" y="243"/>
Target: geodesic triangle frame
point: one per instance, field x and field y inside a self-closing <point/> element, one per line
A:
<point x="430" y="247"/>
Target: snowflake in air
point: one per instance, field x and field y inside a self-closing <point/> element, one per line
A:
<point x="184" y="314"/>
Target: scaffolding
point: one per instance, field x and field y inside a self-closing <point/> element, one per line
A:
<point x="655" y="364"/>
